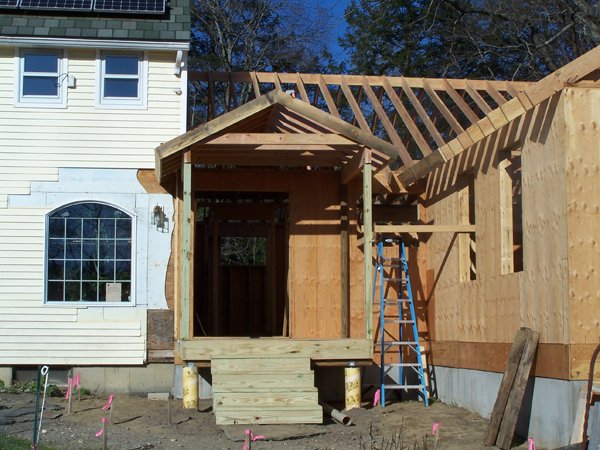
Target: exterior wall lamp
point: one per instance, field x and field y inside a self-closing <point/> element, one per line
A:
<point x="159" y="219"/>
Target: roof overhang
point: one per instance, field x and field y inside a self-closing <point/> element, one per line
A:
<point x="18" y="41"/>
<point x="275" y="130"/>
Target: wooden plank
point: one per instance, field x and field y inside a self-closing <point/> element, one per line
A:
<point x="328" y="98"/>
<point x="358" y="115"/>
<point x="291" y="398"/>
<point x="274" y="416"/>
<point x="262" y="139"/>
<point x="259" y="364"/>
<point x="457" y="228"/>
<point x="387" y="124"/>
<point x="517" y="392"/>
<point x="160" y="329"/>
<point x="345" y="262"/>
<point x="255" y="85"/>
<point x="202" y="349"/>
<point x="495" y="94"/>
<point x="356" y="80"/>
<point x="368" y="246"/>
<point x="477" y="98"/>
<point x="460" y="102"/>
<point x="442" y="108"/>
<point x="506" y="385"/>
<point x="416" y="104"/>
<point x="243" y="382"/>
<point x="185" y="250"/>
<point x="406" y="118"/>
<point x="352" y="168"/>
<point x="301" y="88"/>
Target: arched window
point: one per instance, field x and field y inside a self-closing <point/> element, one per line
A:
<point x="88" y="254"/>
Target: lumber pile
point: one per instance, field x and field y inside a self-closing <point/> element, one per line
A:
<point x="503" y="422"/>
<point x="272" y="389"/>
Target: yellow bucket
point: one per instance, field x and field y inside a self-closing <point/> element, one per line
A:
<point x="352" y="383"/>
<point x="190" y="387"/>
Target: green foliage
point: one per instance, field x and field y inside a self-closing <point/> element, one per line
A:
<point x="30" y="388"/>
<point x="8" y="442"/>
<point x="523" y="39"/>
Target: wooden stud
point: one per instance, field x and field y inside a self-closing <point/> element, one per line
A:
<point x="345" y="262"/>
<point x="368" y="246"/>
<point x="185" y="250"/>
<point x="458" y="228"/>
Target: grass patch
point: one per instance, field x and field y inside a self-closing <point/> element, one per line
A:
<point x="8" y="442"/>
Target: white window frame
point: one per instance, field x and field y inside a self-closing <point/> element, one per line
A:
<point x="85" y="304"/>
<point x="41" y="101"/>
<point x="141" y="101"/>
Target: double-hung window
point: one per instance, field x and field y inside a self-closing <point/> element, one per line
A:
<point x="123" y="80"/>
<point x="42" y="78"/>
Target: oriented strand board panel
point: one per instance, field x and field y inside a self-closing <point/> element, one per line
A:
<point x="545" y="283"/>
<point x="582" y="144"/>
<point x="493" y="306"/>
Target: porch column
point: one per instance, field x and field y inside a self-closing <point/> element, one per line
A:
<point x="185" y="247"/>
<point x="368" y="242"/>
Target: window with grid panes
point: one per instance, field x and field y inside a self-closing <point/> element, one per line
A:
<point x="89" y="254"/>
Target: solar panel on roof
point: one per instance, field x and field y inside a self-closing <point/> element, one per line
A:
<point x="62" y="5"/>
<point x="9" y="3"/>
<point x="130" y="6"/>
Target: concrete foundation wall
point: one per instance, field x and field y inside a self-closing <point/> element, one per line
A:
<point x="128" y="380"/>
<point x="548" y="410"/>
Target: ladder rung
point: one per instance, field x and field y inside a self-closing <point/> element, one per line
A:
<point x="394" y="279"/>
<point x="403" y="386"/>
<point x="398" y="321"/>
<point x="401" y="365"/>
<point x="391" y="301"/>
<point x="399" y="343"/>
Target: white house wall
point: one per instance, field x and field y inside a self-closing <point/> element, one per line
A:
<point x="53" y="157"/>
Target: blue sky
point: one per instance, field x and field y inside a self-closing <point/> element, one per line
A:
<point x="336" y="10"/>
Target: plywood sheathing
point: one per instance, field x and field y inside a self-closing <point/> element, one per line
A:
<point x="582" y="148"/>
<point x="557" y="293"/>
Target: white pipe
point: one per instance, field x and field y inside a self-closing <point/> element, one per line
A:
<point x="336" y="415"/>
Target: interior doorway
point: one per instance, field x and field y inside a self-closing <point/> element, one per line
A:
<point x="241" y="264"/>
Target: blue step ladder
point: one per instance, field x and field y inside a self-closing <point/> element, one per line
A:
<point x="400" y="347"/>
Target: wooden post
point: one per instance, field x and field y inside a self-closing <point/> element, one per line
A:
<point x="185" y="249"/>
<point x="345" y="263"/>
<point x="368" y="243"/>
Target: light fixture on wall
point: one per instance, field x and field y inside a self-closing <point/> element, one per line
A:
<point x="159" y="219"/>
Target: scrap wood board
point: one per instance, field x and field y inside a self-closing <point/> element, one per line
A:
<point x="503" y="420"/>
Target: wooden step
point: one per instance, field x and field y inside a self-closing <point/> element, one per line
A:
<point x="285" y="398"/>
<point x="269" y="415"/>
<point x="285" y="364"/>
<point x="263" y="380"/>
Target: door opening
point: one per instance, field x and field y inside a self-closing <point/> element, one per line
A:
<point x="241" y="263"/>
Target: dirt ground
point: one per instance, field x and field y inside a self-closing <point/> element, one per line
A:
<point x="139" y="423"/>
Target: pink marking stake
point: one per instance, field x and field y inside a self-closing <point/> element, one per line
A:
<point x="531" y="444"/>
<point x="250" y="438"/>
<point x="435" y="431"/>
<point x="377" y="397"/>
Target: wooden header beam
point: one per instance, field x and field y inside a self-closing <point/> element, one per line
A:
<point x="425" y="228"/>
